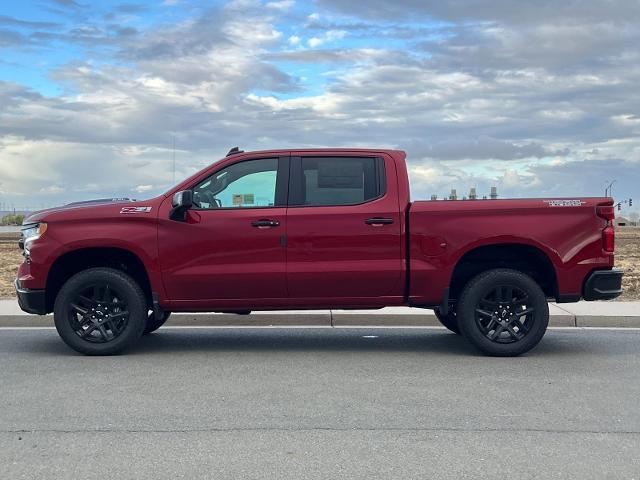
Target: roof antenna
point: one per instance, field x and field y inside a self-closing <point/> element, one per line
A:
<point x="234" y="151"/>
<point x="174" y="160"/>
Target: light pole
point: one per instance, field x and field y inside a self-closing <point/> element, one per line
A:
<point x="609" y="188"/>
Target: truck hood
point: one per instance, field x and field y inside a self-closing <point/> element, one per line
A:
<point x="88" y="208"/>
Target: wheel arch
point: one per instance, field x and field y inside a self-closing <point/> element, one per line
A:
<point x="75" y="261"/>
<point x="524" y="257"/>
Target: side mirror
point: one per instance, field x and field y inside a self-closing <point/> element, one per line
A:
<point x="183" y="199"/>
<point x="181" y="202"/>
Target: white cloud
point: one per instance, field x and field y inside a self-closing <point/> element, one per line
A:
<point x="281" y="4"/>
<point x="329" y="36"/>
<point x="52" y="189"/>
<point x="511" y="179"/>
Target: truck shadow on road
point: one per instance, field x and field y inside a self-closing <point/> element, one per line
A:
<point x="428" y="342"/>
<point x="439" y="342"/>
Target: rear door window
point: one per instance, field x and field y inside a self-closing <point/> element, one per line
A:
<point x="326" y="181"/>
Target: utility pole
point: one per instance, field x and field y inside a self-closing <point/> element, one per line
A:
<point x="174" y="160"/>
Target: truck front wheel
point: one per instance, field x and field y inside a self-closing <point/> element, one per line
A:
<point x="503" y="312"/>
<point x="100" y="311"/>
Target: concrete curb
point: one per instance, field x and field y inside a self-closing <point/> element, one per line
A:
<point x="387" y="317"/>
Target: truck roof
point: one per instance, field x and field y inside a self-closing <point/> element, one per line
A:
<point x="320" y="150"/>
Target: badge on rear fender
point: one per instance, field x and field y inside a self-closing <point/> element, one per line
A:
<point x="135" y="210"/>
<point x="564" y="203"/>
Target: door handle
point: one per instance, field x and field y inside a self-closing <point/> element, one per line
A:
<point x="378" y="221"/>
<point x="265" y="223"/>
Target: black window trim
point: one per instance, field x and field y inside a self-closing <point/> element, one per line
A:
<point x="282" y="185"/>
<point x="295" y="188"/>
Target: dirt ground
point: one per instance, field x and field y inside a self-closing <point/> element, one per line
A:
<point x="627" y="257"/>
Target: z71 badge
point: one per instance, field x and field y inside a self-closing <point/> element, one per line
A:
<point x="135" y="210"/>
<point x="564" y="203"/>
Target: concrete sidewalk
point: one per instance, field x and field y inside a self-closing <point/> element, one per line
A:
<point x="581" y="314"/>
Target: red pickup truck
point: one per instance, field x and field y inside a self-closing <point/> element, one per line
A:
<point x="311" y="229"/>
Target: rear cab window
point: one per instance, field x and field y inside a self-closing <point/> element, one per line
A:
<point x="335" y="181"/>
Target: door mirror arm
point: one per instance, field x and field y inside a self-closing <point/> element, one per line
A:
<point x="181" y="202"/>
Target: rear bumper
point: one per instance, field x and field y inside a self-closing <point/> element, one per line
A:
<point x="31" y="301"/>
<point x="603" y="285"/>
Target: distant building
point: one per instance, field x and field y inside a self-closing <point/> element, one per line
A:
<point x="473" y="195"/>
<point x="622" y="222"/>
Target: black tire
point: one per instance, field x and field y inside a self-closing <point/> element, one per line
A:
<point x="154" y="323"/>
<point x="100" y="311"/>
<point x="450" y="320"/>
<point x="503" y="313"/>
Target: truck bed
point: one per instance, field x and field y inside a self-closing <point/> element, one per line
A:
<point x="566" y="230"/>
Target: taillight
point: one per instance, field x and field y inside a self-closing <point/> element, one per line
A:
<point x="609" y="239"/>
<point x="607" y="212"/>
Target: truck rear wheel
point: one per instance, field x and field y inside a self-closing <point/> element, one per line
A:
<point x="450" y="320"/>
<point x="100" y="311"/>
<point x="503" y="313"/>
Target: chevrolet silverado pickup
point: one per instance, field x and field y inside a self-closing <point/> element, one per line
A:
<point x="313" y="229"/>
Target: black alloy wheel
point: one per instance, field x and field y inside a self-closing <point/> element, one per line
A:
<point x="100" y="311"/>
<point x="97" y="313"/>
<point x="503" y="312"/>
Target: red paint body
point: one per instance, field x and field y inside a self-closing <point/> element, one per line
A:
<point x="321" y="256"/>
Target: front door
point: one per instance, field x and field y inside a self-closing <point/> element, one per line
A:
<point x="230" y="250"/>
<point x="343" y="231"/>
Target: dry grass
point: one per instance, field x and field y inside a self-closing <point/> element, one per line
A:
<point x="10" y="259"/>
<point x="627" y="257"/>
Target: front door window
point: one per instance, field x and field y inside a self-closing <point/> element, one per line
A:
<point x="247" y="184"/>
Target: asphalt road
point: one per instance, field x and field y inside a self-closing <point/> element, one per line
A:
<point x="320" y="403"/>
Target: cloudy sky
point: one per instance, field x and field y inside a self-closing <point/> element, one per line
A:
<point x="539" y="97"/>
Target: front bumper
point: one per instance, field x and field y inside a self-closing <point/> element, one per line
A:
<point x="603" y="285"/>
<point x="31" y="301"/>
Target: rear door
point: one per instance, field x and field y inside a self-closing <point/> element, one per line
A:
<point x="343" y="230"/>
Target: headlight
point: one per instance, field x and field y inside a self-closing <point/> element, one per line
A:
<point x="31" y="233"/>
